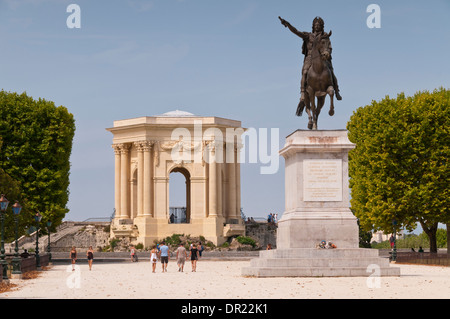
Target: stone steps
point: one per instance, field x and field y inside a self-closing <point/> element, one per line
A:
<point x="320" y="262"/>
<point x="318" y="272"/>
<point x="319" y="253"/>
<point x="299" y="262"/>
<point x="28" y="243"/>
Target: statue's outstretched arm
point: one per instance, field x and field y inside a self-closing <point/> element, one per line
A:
<point x="293" y="30"/>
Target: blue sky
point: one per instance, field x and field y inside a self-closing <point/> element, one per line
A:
<point x="231" y="59"/>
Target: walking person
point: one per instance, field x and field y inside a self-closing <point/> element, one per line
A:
<point x="132" y="252"/>
<point x="181" y="257"/>
<point x="154" y="257"/>
<point x="164" y="255"/>
<point x="392" y="241"/>
<point x="90" y="256"/>
<point x="73" y="257"/>
<point x="194" y="257"/>
<point x="200" y="249"/>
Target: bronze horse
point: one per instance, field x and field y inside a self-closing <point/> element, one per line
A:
<point x="319" y="83"/>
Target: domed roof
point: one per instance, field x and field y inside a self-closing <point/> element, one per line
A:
<point x="177" y="113"/>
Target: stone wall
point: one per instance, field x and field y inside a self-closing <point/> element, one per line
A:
<point x="96" y="236"/>
<point x="263" y="233"/>
<point x="82" y="235"/>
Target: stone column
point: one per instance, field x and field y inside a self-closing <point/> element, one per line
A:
<point x="238" y="178"/>
<point x="140" y="176"/>
<point x="231" y="190"/>
<point x="219" y="158"/>
<point x="212" y="180"/>
<point x="117" y="166"/>
<point x="124" y="179"/>
<point x="147" y="180"/>
<point x="219" y="189"/>
<point x="205" y="182"/>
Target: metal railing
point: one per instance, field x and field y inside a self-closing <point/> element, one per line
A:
<point x="425" y="258"/>
<point x="178" y="215"/>
<point x="98" y="219"/>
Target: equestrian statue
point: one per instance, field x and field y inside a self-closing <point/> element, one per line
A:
<point x="318" y="79"/>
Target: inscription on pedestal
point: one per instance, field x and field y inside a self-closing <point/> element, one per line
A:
<point x="322" y="180"/>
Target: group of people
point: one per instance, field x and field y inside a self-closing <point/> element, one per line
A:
<point x="272" y="218"/>
<point x="89" y="256"/>
<point x="158" y="252"/>
<point x="162" y="252"/>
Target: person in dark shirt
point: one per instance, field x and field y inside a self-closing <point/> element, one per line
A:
<point x="73" y="257"/>
<point x="25" y="254"/>
<point x="90" y="256"/>
<point x="193" y="253"/>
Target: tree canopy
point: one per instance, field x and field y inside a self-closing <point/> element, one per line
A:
<point x="399" y="173"/>
<point x="35" y="151"/>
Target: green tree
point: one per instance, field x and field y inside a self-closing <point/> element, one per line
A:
<point x="12" y="191"/>
<point x="441" y="238"/>
<point x="37" y="143"/>
<point x="364" y="237"/>
<point x="398" y="170"/>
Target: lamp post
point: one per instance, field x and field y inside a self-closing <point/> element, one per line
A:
<point x="37" y="218"/>
<point x="49" y="223"/>
<point x="3" y="205"/>
<point x="16" y="262"/>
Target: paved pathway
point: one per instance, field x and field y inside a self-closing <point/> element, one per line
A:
<point x="222" y="280"/>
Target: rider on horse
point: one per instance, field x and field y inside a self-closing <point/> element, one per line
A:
<point x="308" y="39"/>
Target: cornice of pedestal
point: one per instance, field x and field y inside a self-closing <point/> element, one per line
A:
<point x="317" y="141"/>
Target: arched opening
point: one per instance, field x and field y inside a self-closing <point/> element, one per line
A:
<point x="179" y="196"/>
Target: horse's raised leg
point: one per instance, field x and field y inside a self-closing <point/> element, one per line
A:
<point x="330" y="92"/>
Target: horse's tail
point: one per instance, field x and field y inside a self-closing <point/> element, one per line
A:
<point x="300" y="107"/>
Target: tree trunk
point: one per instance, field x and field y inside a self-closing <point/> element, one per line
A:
<point x="433" y="242"/>
<point x="431" y="232"/>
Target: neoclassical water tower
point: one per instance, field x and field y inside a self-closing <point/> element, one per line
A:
<point x="204" y="149"/>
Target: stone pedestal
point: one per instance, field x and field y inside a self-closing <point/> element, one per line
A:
<point x="317" y="209"/>
<point x="317" y="193"/>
